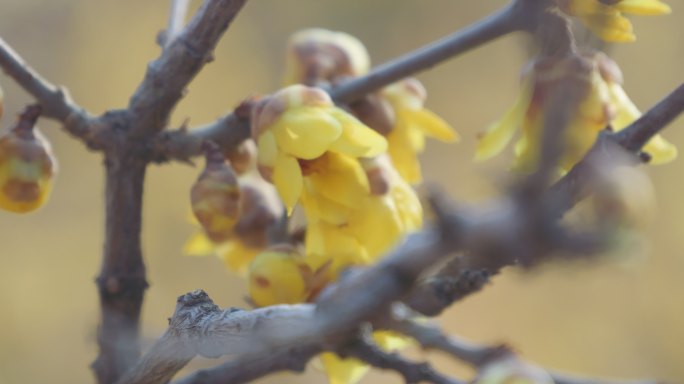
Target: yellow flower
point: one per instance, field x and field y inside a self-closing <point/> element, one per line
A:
<point x="604" y="17"/>
<point x="279" y="276"/>
<point x="412" y="123"/>
<point x="301" y="123"/>
<point x="350" y="370"/>
<point x="604" y="104"/>
<point x="234" y="253"/>
<point x="27" y="165"/>
<point x="315" y="55"/>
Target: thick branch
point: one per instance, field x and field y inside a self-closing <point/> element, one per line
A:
<point x="122" y="278"/>
<point x="56" y="102"/>
<point x="167" y="77"/>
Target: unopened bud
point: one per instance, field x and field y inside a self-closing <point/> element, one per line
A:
<point x="509" y="370"/>
<point x="278" y="276"/>
<point x="215" y="197"/>
<point x="27" y="165"/>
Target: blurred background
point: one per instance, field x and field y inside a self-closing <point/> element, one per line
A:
<point x="622" y="316"/>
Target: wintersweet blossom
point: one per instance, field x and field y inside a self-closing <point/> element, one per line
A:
<point x="413" y="123"/>
<point x="298" y="124"/>
<point x="605" y="104"/>
<point x="604" y="17"/>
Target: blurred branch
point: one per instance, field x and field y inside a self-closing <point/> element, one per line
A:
<point x="431" y="337"/>
<point x="179" y="10"/>
<point x="231" y="130"/>
<point x="167" y="77"/>
<point x="245" y="369"/>
<point x="576" y="184"/>
<point x="55" y="102"/>
<point x="364" y="349"/>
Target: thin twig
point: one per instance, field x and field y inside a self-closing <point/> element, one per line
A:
<point x="231" y="130"/>
<point x="56" y="102"/>
<point x="367" y="351"/>
<point x="431" y="337"/>
<point x="179" y="9"/>
<point x="166" y="78"/>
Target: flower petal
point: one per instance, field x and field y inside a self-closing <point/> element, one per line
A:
<point x="661" y="150"/>
<point x="306" y="132"/>
<point x="198" y="245"/>
<point x="433" y="125"/>
<point x="288" y="180"/>
<point x="357" y="140"/>
<point x="267" y="149"/>
<point x="498" y="135"/>
<point x="342" y="371"/>
<point x="643" y="7"/>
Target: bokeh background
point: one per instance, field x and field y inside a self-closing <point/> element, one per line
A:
<point x="622" y="316"/>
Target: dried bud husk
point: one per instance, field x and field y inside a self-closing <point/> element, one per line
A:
<point x="215" y="197"/>
<point x="27" y="165"/>
<point x="243" y="158"/>
<point x="374" y="111"/>
<point x="260" y="210"/>
<point x="377" y="172"/>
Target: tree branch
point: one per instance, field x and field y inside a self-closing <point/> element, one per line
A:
<point x="367" y="351"/>
<point x="245" y="369"/>
<point x="576" y="184"/>
<point x="167" y="77"/>
<point x="231" y="130"/>
<point x="430" y="337"/>
<point x="55" y="102"/>
<point x="179" y="9"/>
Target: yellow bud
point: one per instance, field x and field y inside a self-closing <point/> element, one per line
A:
<point x="27" y="165"/>
<point x="278" y="276"/>
<point x="215" y="197"/>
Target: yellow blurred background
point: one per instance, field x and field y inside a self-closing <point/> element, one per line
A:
<point x="620" y="317"/>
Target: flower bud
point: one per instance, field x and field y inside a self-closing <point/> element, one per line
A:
<point x="27" y="165"/>
<point x="318" y="55"/>
<point x="278" y="276"/>
<point x="215" y="196"/>
<point x="243" y="158"/>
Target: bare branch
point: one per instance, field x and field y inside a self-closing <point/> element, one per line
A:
<point x="245" y="369"/>
<point x="182" y="144"/>
<point x="56" y="102"/>
<point x="167" y="77"/>
<point x="431" y="337"/>
<point x="365" y="350"/>
<point x="496" y="25"/>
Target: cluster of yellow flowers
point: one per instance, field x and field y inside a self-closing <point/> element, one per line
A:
<point x="27" y="165"/>
<point x="604" y="103"/>
<point x="347" y="179"/>
<point x="604" y="17"/>
<point x="350" y="171"/>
